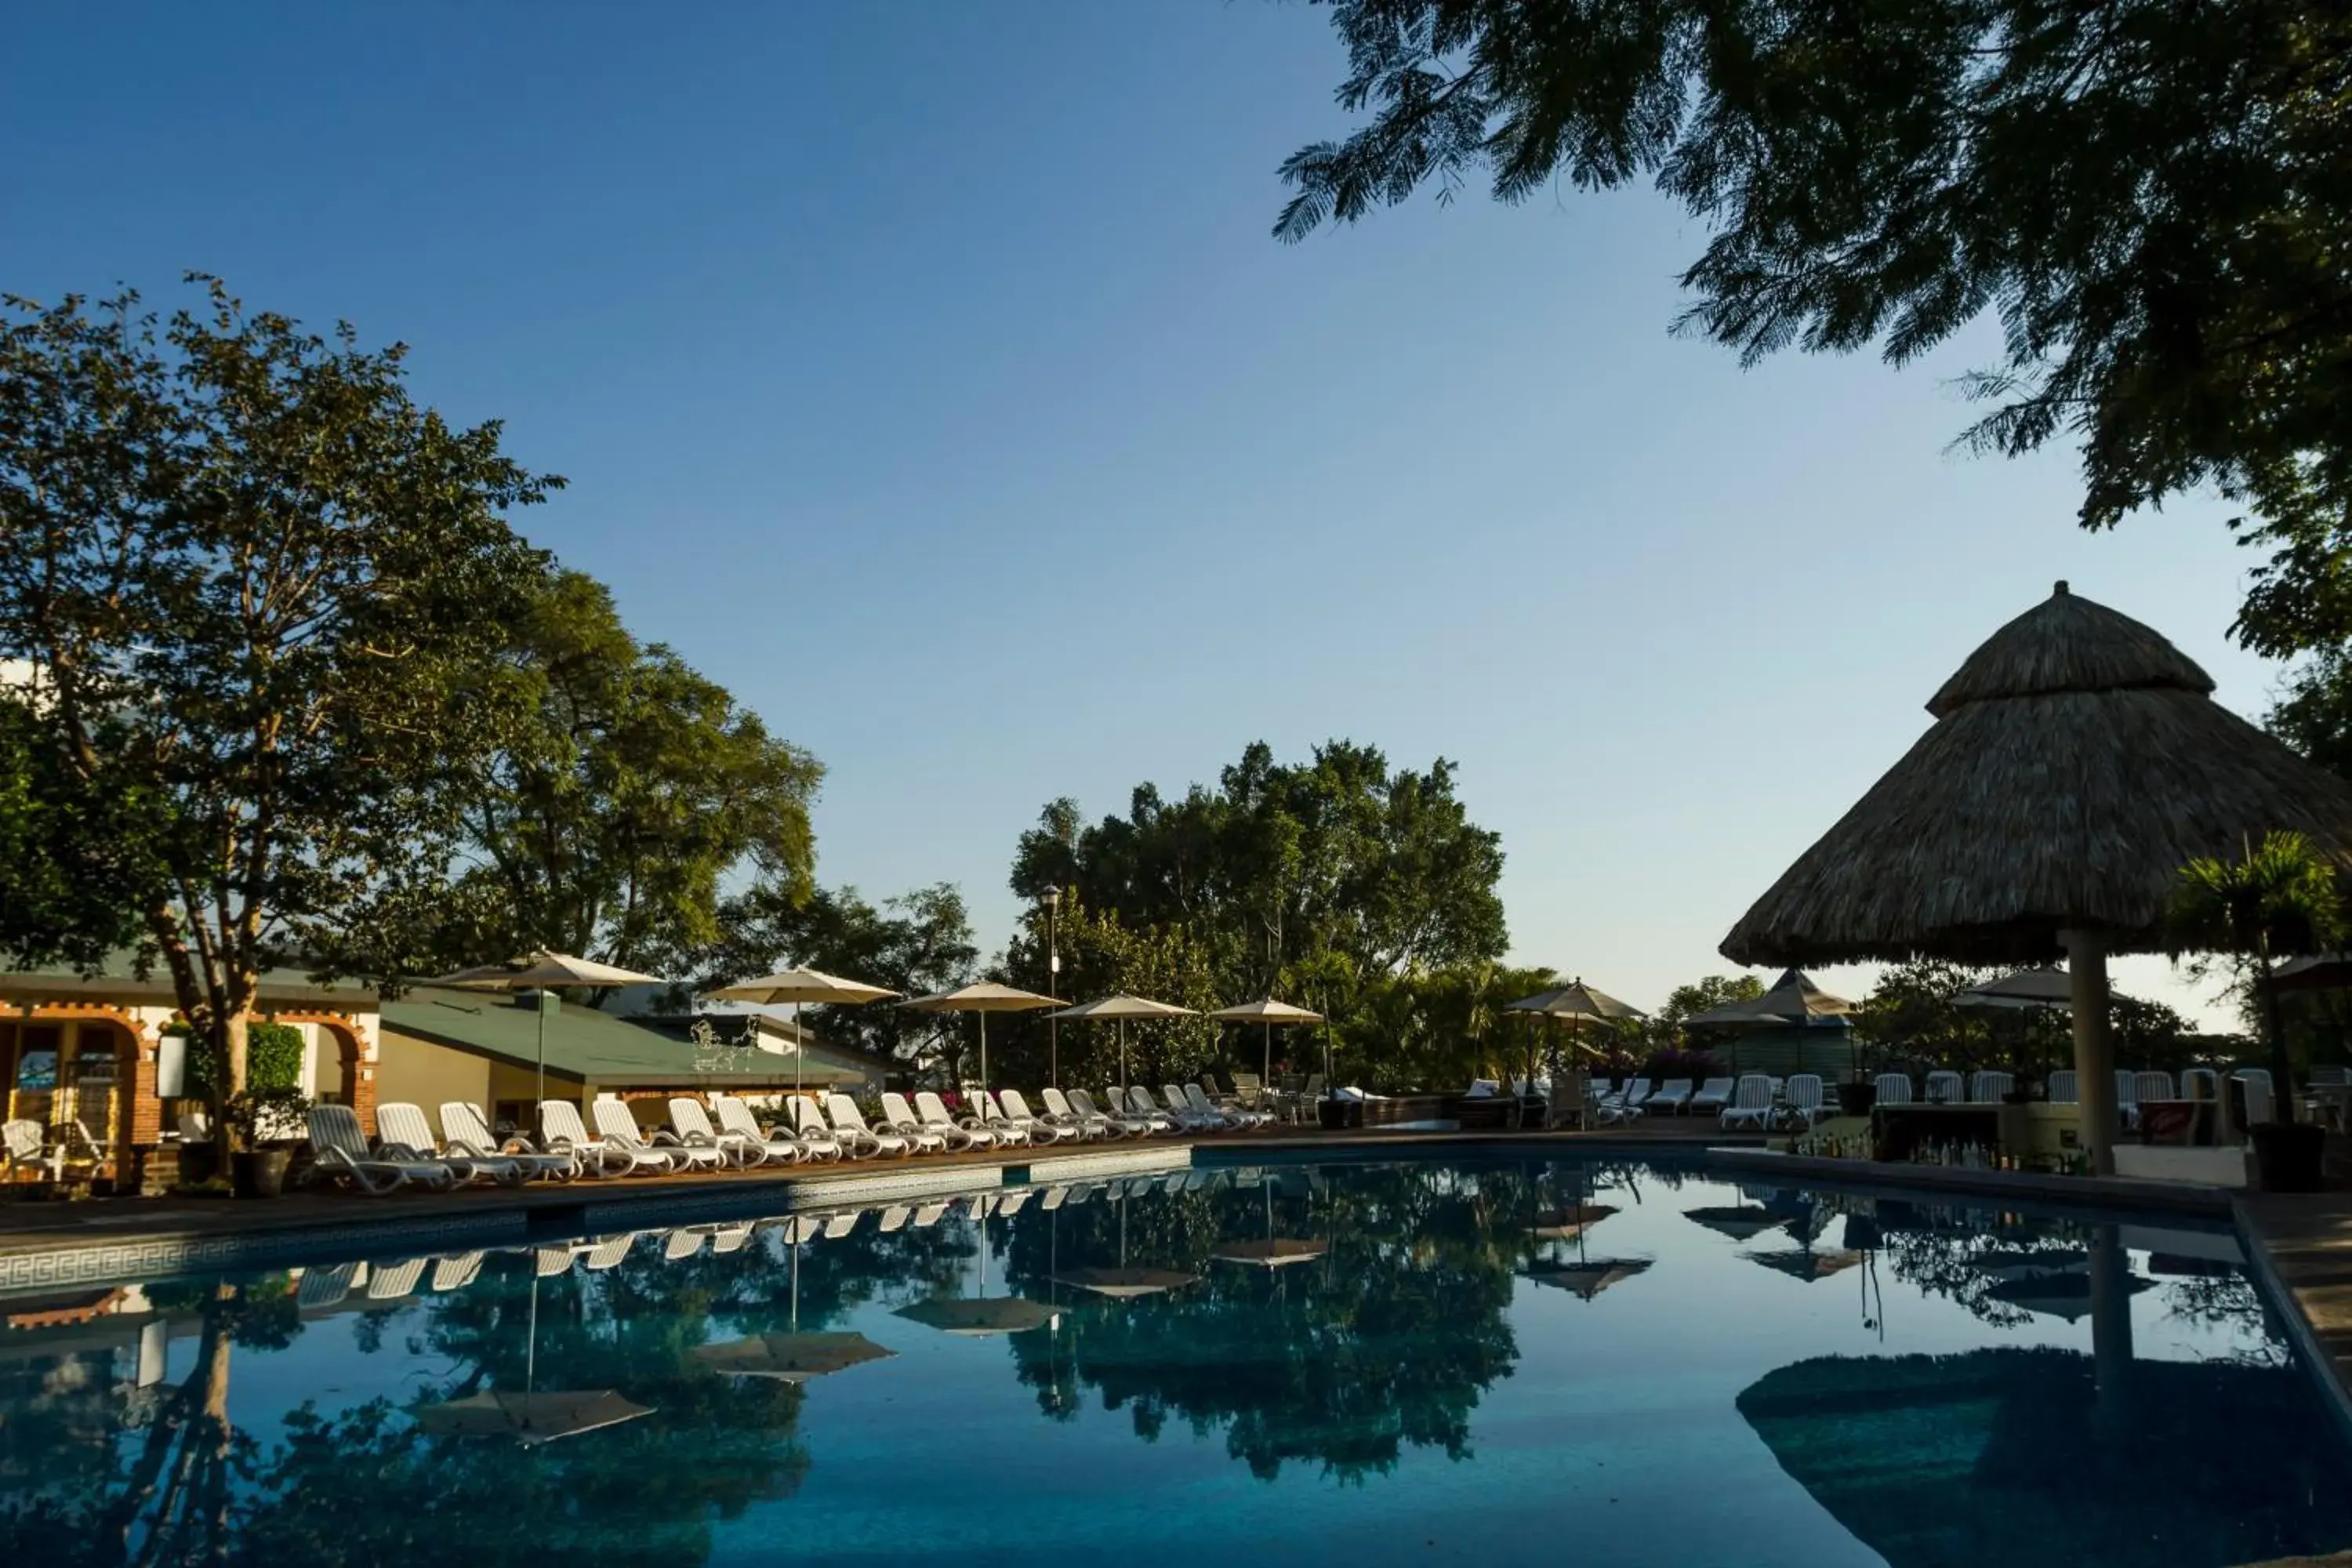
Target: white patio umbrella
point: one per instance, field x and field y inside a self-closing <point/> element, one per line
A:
<point x="1269" y="1013"/>
<point x="797" y="986"/>
<point x="983" y="998"/>
<point x="1122" y="1009"/>
<point x="544" y="971"/>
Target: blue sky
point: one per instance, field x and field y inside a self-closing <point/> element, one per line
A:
<point x="926" y="373"/>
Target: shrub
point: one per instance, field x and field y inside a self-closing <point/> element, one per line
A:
<point x="273" y="1058"/>
<point x="1697" y="1066"/>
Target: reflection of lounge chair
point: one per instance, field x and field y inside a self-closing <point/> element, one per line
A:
<point x="325" y="1287"/>
<point x="893" y="1218"/>
<point x="394" y="1281"/>
<point x="608" y="1253"/>
<point x="343" y="1154"/>
<point x="558" y="1120"/>
<point x="455" y="1273"/>
<point x="682" y="1244"/>
<point x="930" y="1214"/>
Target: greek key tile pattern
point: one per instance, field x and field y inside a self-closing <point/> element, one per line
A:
<point x="134" y="1258"/>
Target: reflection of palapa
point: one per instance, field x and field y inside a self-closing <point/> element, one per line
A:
<point x="1806" y="1265"/>
<point x="1274" y="1252"/>
<point x="1739" y="1221"/>
<point x="791" y="1358"/>
<point x="530" y="1419"/>
<point x="1588" y="1279"/>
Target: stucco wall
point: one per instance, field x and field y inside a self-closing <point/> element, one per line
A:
<point x="425" y="1074"/>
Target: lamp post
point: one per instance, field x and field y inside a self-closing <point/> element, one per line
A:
<point x="1052" y="987"/>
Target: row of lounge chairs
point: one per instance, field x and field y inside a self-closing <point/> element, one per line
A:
<point x="832" y="1127"/>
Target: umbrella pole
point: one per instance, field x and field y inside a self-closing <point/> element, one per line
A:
<point x="2095" y="1056"/>
<point x="983" y="1089"/>
<point x="1265" y="1077"/>
<point x="799" y="1040"/>
<point x="543" y="1059"/>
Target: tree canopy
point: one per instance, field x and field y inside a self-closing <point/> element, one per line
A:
<point x="254" y="579"/>
<point x="2154" y="200"/>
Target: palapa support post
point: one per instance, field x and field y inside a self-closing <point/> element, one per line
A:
<point x="2094" y="1051"/>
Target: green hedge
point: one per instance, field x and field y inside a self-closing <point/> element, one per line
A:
<point x="273" y="1058"/>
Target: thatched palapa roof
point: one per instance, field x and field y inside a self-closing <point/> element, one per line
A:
<point x="2076" y="762"/>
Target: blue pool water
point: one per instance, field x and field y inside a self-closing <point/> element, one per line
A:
<point x="1423" y="1362"/>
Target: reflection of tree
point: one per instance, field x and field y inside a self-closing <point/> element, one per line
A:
<point x="1946" y="1254"/>
<point x="1384" y="1343"/>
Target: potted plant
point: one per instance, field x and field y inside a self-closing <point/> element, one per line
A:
<point x="2279" y="900"/>
<point x="262" y="1124"/>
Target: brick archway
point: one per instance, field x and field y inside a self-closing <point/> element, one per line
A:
<point x="353" y="1057"/>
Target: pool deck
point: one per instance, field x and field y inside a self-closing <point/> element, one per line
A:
<point x="2301" y="1250"/>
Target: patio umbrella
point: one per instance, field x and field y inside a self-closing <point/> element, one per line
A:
<point x="977" y="1317"/>
<point x="983" y="998"/>
<point x="548" y="972"/>
<point x="2077" y="762"/>
<point x="1271" y="1251"/>
<point x="1124" y="1282"/>
<point x="798" y="986"/>
<point x="1576" y="1002"/>
<point x="1567" y="1225"/>
<point x="1269" y="1013"/>
<point x="1588" y="1279"/>
<point x="2059" y="1295"/>
<point x="2044" y="985"/>
<point x="1122" y="1009"/>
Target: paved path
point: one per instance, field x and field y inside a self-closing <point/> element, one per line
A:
<point x="2304" y="1245"/>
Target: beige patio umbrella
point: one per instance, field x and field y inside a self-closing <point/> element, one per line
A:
<point x="1737" y="1221"/>
<point x="547" y="972"/>
<point x="1576" y="1002"/>
<point x="530" y="1419"/>
<point x="1269" y="1013"/>
<point x="798" y="986"/>
<point x="2077" y="762"/>
<point x="983" y="998"/>
<point x="1121" y="1008"/>
<point x="1793" y="999"/>
<point x="1588" y="1279"/>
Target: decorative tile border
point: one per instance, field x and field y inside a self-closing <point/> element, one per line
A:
<point x="1111" y="1162"/>
<point x="132" y="1259"/>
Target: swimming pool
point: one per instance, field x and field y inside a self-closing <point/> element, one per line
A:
<point x="1490" y="1362"/>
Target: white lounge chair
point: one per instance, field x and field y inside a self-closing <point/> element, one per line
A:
<point x="401" y="1129"/>
<point x="464" y="1132"/>
<point x="900" y="1117"/>
<point x="1895" y="1088"/>
<point x="2261" y="1102"/>
<point x="2192" y="1076"/>
<point x="1048" y="1128"/>
<point x="1986" y="1088"/>
<point x="1944" y="1087"/>
<point x="2147" y="1085"/>
<point x="690" y="1123"/>
<point x="2065" y="1087"/>
<point x="908" y="1122"/>
<point x="560" y="1124"/>
<point x="1804" y="1093"/>
<point x="1711" y="1097"/>
<point x="2127" y="1097"/>
<point x="815" y="1133"/>
<point x="932" y="1112"/>
<point x="1175" y="1108"/>
<point x="1082" y="1105"/>
<point x="850" y="1126"/>
<point x="1138" y="1107"/>
<point x="770" y="1143"/>
<point x="1751" y="1102"/>
<point x="1210" y="1116"/>
<point x="618" y="1124"/>
<point x="1671" y="1097"/>
<point x="1009" y="1133"/>
<point x="1627" y="1104"/>
<point x="1235" y="1109"/>
<point x="343" y="1154"/>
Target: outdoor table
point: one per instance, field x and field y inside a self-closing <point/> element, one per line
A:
<point x="2329" y="1103"/>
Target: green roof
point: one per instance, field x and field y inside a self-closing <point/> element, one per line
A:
<point x="582" y="1043"/>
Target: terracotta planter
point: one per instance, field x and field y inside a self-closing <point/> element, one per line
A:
<point x="258" y="1172"/>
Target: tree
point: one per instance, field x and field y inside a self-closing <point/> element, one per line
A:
<point x="1103" y="955"/>
<point x="2278" y="900"/>
<point x="1663" y="1030"/>
<point x="75" y="863"/>
<point x="916" y="943"/>
<point x="2152" y="198"/>
<point x="607" y="823"/>
<point x="255" y="580"/>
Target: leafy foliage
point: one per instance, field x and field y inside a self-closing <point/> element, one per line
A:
<point x="2152" y="198"/>
<point x="256" y="579"/>
<point x="608" y="822"/>
<point x="75" y="863"/>
<point x="2279" y="900"/>
<point x="916" y="943"/>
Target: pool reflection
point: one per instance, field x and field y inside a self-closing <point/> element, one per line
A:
<point x="2049" y="1392"/>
